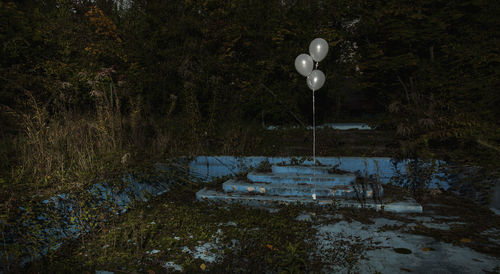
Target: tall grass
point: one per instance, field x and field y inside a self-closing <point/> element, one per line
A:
<point x="64" y="150"/>
<point x="59" y="150"/>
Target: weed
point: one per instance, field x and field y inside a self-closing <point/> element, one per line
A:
<point x="264" y="166"/>
<point x="417" y="177"/>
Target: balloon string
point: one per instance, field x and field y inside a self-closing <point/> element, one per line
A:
<point x="314" y="147"/>
<point x="314" y="132"/>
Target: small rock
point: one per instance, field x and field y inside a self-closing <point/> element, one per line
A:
<point x="154" y="251"/>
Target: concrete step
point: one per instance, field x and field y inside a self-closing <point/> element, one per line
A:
<point x="278" y="169"/>
<point x="407" y="205"/>
<point x="330" y="180"/>
<point x="295" y="190"/>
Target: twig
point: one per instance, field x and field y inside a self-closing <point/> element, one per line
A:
<point x="485" y="144"/>
<point x="289" y="111"/>
<point x="405" y="88"/>
<point x="27" y="92"/>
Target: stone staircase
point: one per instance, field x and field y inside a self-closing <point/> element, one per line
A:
<point x="320" y="185"/>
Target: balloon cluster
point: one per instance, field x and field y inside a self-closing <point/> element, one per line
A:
<point x="304" y="63"/>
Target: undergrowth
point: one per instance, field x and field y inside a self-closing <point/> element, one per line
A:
<point x="174" y="224"/>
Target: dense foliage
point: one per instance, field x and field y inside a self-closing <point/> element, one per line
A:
<point x="91" y="89"/>
<point x="203" y="61"/>
<point x="435" y="65"/>
<point x="90" y="79"/>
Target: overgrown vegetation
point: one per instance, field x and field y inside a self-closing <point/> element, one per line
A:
<point x="175" y="224"/>
<point x="162" y="78"/>
<point x="91" y="90"/>
<point x="435" y="65"/>
<point x="175" y="229"/>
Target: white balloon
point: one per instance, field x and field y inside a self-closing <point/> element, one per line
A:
<point x="316" y="79"/>
<point x="304" y="64"/>
<point x="318" y="49"/>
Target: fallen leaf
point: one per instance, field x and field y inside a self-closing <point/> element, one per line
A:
<point x="269" y="246"/>
<point x="465" y="240"/>
<point x="151" y="271"/>
<point x="427" y="249"/>
<point x="203" y="266"/>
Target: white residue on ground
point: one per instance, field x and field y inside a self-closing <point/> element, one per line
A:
<point x="379" y="250"/>
<point x="172" y="265"/>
